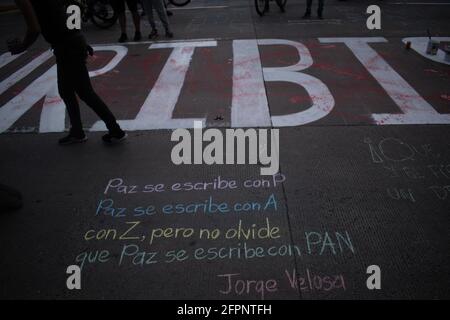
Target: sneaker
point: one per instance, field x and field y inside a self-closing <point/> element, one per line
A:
<point x="72" y="139"/>
<point x="137" y="36"/>
<point x="153" y="34"/>
<point x="113" y="137"/>
<point x="123" y="38"/>
<point x="306" y="16"/>
<point x="169" y="34"/>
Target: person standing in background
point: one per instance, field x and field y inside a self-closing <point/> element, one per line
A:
<point x="119" y="8"/>
<point x="71" y="51"/>
<point x="307" y="14"/>
<point x="158" y="5"/>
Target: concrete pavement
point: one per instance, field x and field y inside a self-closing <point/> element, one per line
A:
<point x="364" y="161"/>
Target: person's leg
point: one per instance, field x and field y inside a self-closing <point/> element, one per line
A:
<point x="148" y="5"/>
<point x="320" y="9"/>
<point x="308" y="9"/>
<point x="66" y="88"/>
<point x="85" y="91"/>
<point x="132" y="6"/>
<point x="160" y="9"/>
<point x="119" y="9"/>
<point x="169" y="13"/>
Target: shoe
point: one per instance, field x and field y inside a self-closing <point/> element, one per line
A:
<point x="169" y="34"/>
<point x="169" y="13"/>
<point x="114" y="137"/>
<point x="320" y="17"/>
<point x="306" y="16"/>
<point x="72" y="139"/>
<point x="137" y="36"/>
<point x="123" y="38"/>
<point x="153" y="34"/>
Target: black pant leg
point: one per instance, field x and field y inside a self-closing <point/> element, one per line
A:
<point x="73" y="79"/>
<point x="85" y="91"/>
<point x="320" y="8"/>
<point x="66" y="88"/>
<point x="308" y="6"/>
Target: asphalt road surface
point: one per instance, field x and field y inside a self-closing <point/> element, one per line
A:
<point x="364" y="152"/>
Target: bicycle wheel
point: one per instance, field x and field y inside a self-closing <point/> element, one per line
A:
<point x="281" y="4"/>
<point x="103" y="15"/>
<point x="261" y="6"/>
<point x="179" y="3"/>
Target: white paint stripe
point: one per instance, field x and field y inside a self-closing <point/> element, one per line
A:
<point x="362" y="40"/>
<point x="54" y="111"/>
<point x="21" y="103"/>
<point x="415" y="109"/>
<point x="316" y="21"/>
<point x="158" y="42"/>
<point x="193" y="44"/>
<point x="422" y="3"/>
<point x="52" y="118"/>
<point x="305" y="60"/>
<point x="322" y="99"/>
<point x="157" y="110"/>
<point x="24" y="71"/>
<point x="249" y="107"/>
<point x="197" y="8"/>
<point x="161" y="102"/>
<point x="7" y="57"/>
<point x="120" y="53"/>
<point x="419" y="44"/>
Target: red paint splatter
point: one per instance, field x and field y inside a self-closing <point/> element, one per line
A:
<point x="338" y="71"/>
<point x="53" y="100"/>
<point x="298" y="99"/>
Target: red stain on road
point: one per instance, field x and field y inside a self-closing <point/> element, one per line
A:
<point x="298" y="99"/>
<point x="330" y="46"/>
<point x="53" y="100"/>
<point x="339" y="71"/>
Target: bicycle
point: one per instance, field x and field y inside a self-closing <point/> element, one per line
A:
<point x="262" y="6"/>
<point x="100" y="12"/>
<point x="179" y="3"/>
